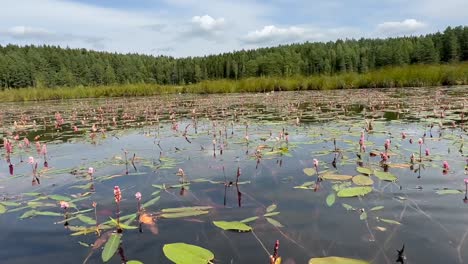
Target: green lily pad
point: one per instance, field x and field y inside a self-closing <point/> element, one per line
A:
<point x="363" y="170"/>
<point x="362" y="180"/>
<point x="385" y="176"/>
<point x="354" y="191"/>
<point x="111" y="247"/>
<point x="2" y="209"/>
<point x="274" y="222"/>
<point x="331" y="199"/>
<point x="182" y="253"/>
<point x="232" y="225"/>
<point x="309" y="171"/>
<point x="441" y="192"/>
<point x="336" y="177"/>
<point x="336" y="260"/>
<point x="271" y="208"/>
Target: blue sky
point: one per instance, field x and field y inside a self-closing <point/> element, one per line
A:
<point x="199" y="27"/>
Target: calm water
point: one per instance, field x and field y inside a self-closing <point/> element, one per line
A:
<point x="210" y="138"/>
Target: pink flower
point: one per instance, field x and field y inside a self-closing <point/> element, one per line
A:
<point x="26" y="142"/>
<point x="91" y="170"/>
<point x="31" y="160"/>
<point x="44" y="149"/>
<point x="364" y="148"/>
<point x="427" y="152"/>
<point x="64" y="205"/>
<point x="8" y="146"/>
<point x="403" y="135"/>
<point x="316" y="162"/>
<point x="387" y="144"/>
<point x="75" y="129"/>
<point x="117" y="194"/>
<point x="466" y="180"/>
<point x="445" y="165"/>
<point x="180" y="172"/>
<point x="420" y="141"/>
<point x="383" y="156"/>
<point x="138" y="196"/>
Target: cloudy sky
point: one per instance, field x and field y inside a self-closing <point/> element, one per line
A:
<point x="199" y="27"/>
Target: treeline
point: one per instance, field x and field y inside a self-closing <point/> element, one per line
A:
<point x="51" y="66"/>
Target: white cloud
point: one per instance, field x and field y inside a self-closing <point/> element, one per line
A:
<point x="28" y="32"/>
<point x="407" y="26"/>
<point x="207" y="23"/>
<point x="273" y="34"/>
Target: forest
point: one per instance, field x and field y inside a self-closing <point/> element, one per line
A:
<point x="52" y="66"/>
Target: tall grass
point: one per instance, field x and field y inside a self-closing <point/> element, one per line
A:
<point x="405" y="76"/>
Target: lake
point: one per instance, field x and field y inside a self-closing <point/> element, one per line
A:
<point x="361" y="174"/>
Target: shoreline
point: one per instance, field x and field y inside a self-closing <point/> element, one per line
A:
<point x="391" y="77"/>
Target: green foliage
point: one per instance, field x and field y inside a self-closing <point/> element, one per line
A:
<point x="182" y="253"/>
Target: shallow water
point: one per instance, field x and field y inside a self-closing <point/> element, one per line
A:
<point x="432" y="226"/>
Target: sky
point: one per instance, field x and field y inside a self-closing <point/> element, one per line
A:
<point x="182" y="28"/>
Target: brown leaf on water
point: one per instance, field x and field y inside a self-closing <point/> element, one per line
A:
<point x="150" y="222"/>
<point x="102" y="240"/>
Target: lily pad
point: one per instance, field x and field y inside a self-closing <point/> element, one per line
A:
<point x="385" y="176"/>
<point x="331" y="199"/>
<point x="336" y="177"/>
<point x="441" y="192"/>
<point x="336" y="260"/>
<point x="363" y="170"/>
<point x="362" y="180"/>
<point x="232" y="225"/>
<point x="354" y="191"/>
<point x="182" y="253"/>
<point x="309" y="171"/>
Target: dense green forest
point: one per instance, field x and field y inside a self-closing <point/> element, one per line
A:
<point x="51" y="66"/>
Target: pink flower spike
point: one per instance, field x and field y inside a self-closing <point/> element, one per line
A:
<point x="316" y="162"/>
<point x="64" y="205"/>
<point x="117" y="194"/>
<point x="91" y="170"/>
<point x="466" y="180"/>
<point x="420" y="141"/>
<point x="403" y="135"/>
<point x="445" y="165"/>
<point x="31" y="160"/>
<point x="138" y="196"/>
<point x="427" y="152"/>
<point x="44" y="149"/>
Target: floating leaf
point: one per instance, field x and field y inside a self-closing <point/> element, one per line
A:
<point x="272" y="214"/>
<point x="28" y="214"/>
<point x="336" y="177"/>
<point x="182" y="209"/>
<point x="331" y="199"/>
<point x="48" y="213"/>
<point x="309" y="171"/>
<point x="111" y="247"/>
<point x="348" y="207"/>
<point x="306" y="185"/>
<point x="182" y="253"/>
<point x="354" y="191"/>
<point x="151" y="202"/>
<point x="389" y="221"/>
<point x="233" y="225"/>
<point x="2" y="209"/>
<point x="86" y="219"/>
<point x="362" y="180"/>
<point x="184" y="214"/>
<point x="10" y="204"/>
<point x="336" y="260"/>
<point x="83" y="244"/>
<point x="134" y="262"/>
<point x="274" y="222"/>
<point x="380" y="207"/>
<point x="363" y="216"/>
<point x="447" y="191"/>
<point x="250" y="219"/>
<point x="57" y="197"/>
<point x="363" y="170"/>
<point x="271" y="208"/>
<point x="385" y="176"/>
